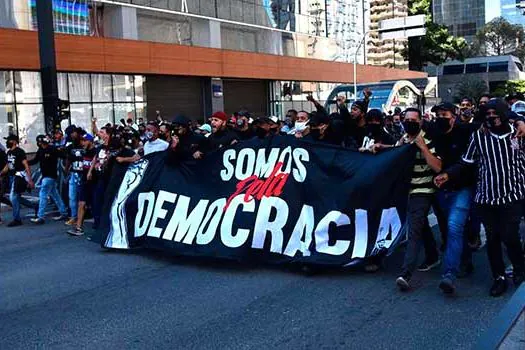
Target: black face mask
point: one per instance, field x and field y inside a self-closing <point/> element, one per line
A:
<point x="442" y="124"/>
<point x="9" y="144"/>
<point x="374" y="129"/>
<point x="260" y="133"/>
<point x="316" y="134"/>
<point x="412" y="128"/>
<point x="491" y="124"/>
<point x="163" y="137"/>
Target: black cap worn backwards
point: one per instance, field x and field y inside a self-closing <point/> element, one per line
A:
<point x="445" y="106"/>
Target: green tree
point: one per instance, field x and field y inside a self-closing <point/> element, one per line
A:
<point x="437" y="46"/>
<point x="510" y="87"/>
<point x="499" y="37"/>
<point x="470" y="87"/>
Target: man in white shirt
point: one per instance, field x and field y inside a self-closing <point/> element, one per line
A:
<point x="153" y="143"/>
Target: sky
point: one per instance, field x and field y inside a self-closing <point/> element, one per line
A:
<point x="492" y="9"/>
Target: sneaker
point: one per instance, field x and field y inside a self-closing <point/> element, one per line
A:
<point x="403" y="282"/>
<point x="447" y="285"/>
<point x="499" y="287"/>
<point x="14" y="223"/>
<point x="427" y="266"/>
<point x="60" y="218"/>
<point x="71" y="222"/>
<point x="77" y="231"/>
<point x="38" y="221"/>
<point x="465" y="271"/>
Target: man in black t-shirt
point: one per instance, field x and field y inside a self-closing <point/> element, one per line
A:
<point x="86" y="185"/>
<point x="20" y="176"/>
<point x="47" y="156"/>
<point x="74" y="159"/>
<point x="3" y="173"/>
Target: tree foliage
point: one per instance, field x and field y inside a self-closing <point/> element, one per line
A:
<point x="499" y="37"/>
<point x="437" y="46"/>
<point x="510" y="87"/>
<point x="470" y="87"/>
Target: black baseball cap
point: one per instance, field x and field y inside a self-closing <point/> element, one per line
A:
<point x="360" y="104"/>
<point x="12" y="137"/>
<point x="263" y="120"/>
<point x="181" y="120"/>
<point x="445" y="106"/>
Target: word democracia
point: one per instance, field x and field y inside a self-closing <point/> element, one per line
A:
<point x="208" y="221"/>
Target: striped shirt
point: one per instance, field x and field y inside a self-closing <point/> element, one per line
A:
<point x="501" y="170"/>
<point x="422" y="173"/>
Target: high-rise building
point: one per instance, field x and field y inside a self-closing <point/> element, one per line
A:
<point x="512" y="11"/>
<point x="462" y="17"/>
<point x="128" y="59"/>
<point x="386" y="53"/>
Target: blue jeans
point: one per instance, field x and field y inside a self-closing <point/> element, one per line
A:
<point x="48" y="188"/>
<point x="456" y="205"/>
<point x="74" y="183"/>
<point x="15" y="200"/>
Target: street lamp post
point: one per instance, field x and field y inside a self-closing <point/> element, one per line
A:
<point x="355" y="62"/>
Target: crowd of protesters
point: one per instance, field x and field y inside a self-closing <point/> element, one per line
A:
<point x="469" y="170"/>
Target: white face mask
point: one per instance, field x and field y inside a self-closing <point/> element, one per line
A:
<point x="149" y="135"/>
<point x="301" y="126"/>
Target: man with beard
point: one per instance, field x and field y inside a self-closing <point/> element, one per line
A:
<point x="165" y="132"/>
<point x="500" y="189"/>
<point x="221" y="136"/>
<point x="422" y="192"/>
<point x="243" y="127"/>
<point x="191" y="145"/>
<point x="264" y="127"/>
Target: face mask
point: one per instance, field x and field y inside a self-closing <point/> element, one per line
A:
<point x="374" y="129"/>
<point x="9" y="144"/>
<point x="240" y="123"/>
<point x="163" y="137"/>
<point x="301" y="126"/>
<point x="260" y="133"/>
<point x="442" y="124"/>
<point x="149" y="135"/>
<point x="412" y="128"/>
<point x="397" y="124"/>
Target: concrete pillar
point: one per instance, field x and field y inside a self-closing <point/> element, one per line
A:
<point x="206" y="33"/>
<point x="120" y="22"/>
<point x="213" y="96"/>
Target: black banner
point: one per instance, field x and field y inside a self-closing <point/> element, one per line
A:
<point x="277" y="200"/>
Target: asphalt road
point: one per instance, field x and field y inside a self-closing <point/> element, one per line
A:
<point x="64" y="292"/>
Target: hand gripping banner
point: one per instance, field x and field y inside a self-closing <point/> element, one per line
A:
<point x="276" y="200"/>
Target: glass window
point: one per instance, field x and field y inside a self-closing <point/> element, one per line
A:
<point x="141" y="111"/>
<point x="124" y="111"/>
<point x="81" y="115"/>
<point x="498" y="66"/>
<point x="103" y="112"/>
<point x="79" y="90"/>
<point x="7" y="120"/>
<point x="101" y="87"/>
<point x="28" y="88"/>
<point x="140" y="87"/>
<point x="476" y="68"/>
<point x="6" y="86"/>
<point x="455" y="69"/>
<point x="30" y="125"/>
<point x="123" y="88"/>
<point x="62" y="86"/>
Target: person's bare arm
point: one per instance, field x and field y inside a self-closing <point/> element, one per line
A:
<point x="433" y="162"/>
<point x="28" y="174"/>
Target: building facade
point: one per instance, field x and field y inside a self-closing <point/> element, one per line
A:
<point x="462" y="17"/>
<point x="132" y="58"/>
<point x="387" y="53"/>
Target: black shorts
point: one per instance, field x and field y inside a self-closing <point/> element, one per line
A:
<point x="85" y="192"/>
